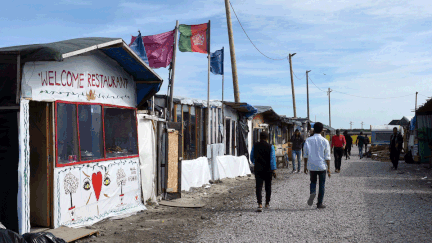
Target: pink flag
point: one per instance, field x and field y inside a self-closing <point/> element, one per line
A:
<point x="159" y="48"/>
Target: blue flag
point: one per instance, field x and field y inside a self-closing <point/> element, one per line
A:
<point x="137" y="46"/>
<point x="216" y="62"/>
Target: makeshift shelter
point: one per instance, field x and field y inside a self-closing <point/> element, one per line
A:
<point x="68" y="132"/>
<point x="424" y="129"/>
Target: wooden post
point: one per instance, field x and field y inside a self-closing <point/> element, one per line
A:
<point x="292" y="85"/>
<point x="232" y="52"/>
<point x="170" y="105"/>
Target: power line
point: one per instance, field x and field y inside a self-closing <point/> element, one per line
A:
<point x="297" y="77"/>
<point x="372" y="97"/>
<point x="316" y="85"/>
<point x="276" y="59"/>
<point x="358" y="96"/>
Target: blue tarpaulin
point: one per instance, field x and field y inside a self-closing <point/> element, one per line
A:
<point x="413" y="123"/>
<point x="251" y="110"/>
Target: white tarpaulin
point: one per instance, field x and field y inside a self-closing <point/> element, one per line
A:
<point x="195" y="173"/>
<point x="147" y="152"/>
<point x="232" y="166"/>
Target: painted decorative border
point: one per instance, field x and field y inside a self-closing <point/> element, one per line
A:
<point x="83" y="94"/>
<point x="114" y="212"/>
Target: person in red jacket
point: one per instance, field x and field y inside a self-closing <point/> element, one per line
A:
<point x="338" y="142"/>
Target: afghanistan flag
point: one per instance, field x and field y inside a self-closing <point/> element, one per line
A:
<point x="193" y="38"/>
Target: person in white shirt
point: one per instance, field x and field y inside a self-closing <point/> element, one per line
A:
<point x="317" y="161"/>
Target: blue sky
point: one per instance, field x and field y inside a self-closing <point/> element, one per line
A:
<point x="366" y="48"/>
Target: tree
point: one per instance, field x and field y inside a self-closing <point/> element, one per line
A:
<point x="121" y="179"/>
<point x="70" y="185"/>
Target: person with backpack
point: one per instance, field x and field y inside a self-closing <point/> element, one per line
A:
<point x="263" y="156"/>
<point x="360" y="143"/>
<point x="349" y="144"/>
<point x="366" y="142"/>
<point x="297" y="144"/>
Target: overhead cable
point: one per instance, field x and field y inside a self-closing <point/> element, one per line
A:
<point x="297" y="77"/>
<point x="276" y="59"/>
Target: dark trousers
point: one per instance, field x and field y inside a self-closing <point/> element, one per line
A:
<point x="394" y="157"/>
<point x="347" y="151"/>
<point x="313" y="179"/>
<point x="338" y="153"/>
<point x="260" y="178"/>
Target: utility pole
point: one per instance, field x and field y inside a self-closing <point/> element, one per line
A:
<point x="328" y="92"/>
<point x="415" y="103"/>
<point x="351" y="125"/>
<point x="361" y="125"/>
<point x="232" y="52"/>
<point x="292" y="84"/>
<point x="307" y="92"/>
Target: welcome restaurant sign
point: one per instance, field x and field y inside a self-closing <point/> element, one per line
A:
<point x="92" y="77"/>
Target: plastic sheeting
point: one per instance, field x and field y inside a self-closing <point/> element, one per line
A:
<point x="230" y="166"/>
<point x="147" y="152"/>
<point x="195" y="173"/>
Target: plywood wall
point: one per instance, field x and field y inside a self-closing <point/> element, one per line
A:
<point x="173" y="161"/>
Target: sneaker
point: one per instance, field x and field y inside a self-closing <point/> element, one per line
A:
<point x="259" y="209"/>
<point x="293" y="171"/>
<point x="311" y="199"/>
<point x="299" y="170"/>
<point x="267" y="206"/>
<point x="321" y="206"/>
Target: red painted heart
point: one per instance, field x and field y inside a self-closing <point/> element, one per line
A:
<point x="97" y="184"/>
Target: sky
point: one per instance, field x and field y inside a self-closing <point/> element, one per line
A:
<point x="378" y="49"/>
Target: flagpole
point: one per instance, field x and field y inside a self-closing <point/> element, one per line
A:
<point x="171" y="105"/>
<point x="223" y="117"/>
<point x="208" y="99"/>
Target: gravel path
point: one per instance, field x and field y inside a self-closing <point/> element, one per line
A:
<point x="366" y="202"/>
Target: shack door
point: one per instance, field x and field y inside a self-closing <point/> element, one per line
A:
<point x="174" y="159"/>
<point x="41" y="149"/>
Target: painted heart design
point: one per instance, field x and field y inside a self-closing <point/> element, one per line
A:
<point x="97" y="184"/>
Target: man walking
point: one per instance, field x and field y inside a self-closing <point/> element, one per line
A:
<point x="359" y="143"/>
<point x="338" y="143"/>
<point x="396" y="141"/>
<point x="348" y="146"/>
<point x="317" y="161"/>
<point x="297" y="143"/>
<point x="366" y="142"/>
<point x="264" y="158"/>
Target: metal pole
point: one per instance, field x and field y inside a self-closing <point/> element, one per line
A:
<point x="171" y="105"/>
<point x="232" y="52"/>
<point x="307" y="91"/>
<point x="329" y="91"/>
<point x="208" y="86"/>
<point x="292" y="85"/>
<point x="223" y="114"/>
<point x="415" y="104"/>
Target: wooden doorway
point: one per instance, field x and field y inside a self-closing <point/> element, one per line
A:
<point x="41" y="163"/>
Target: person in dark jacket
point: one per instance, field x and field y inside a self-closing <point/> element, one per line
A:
<point x="396" y="141"/>
<point x="263" y="157"/>
<point x="349" y="144"/>
<point x="297" y="145"/>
